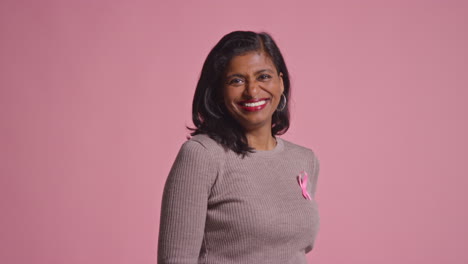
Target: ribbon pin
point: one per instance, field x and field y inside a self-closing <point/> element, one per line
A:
<point x="303" y="183"/>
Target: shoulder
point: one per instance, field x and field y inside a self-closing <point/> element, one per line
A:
<point x="203" y="145"/>
<point x="307" y="155"/>
<point x="199" y="153"/>
<point x="298" y="149"/>
<point x="206" y="142"/>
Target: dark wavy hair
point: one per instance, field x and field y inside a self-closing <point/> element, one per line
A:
<point x="209" y="114"/>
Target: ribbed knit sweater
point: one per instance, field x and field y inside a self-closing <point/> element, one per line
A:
<point x="220" y="208"/>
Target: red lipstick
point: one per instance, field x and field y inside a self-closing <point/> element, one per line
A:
<point x="253" y="105"/>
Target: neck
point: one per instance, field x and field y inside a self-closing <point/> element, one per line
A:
<point x="261" y="139"/>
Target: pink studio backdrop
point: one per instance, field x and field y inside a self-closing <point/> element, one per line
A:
<point x="95" y="95"/>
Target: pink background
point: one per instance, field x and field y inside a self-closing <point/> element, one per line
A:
<point x="94" y="97"/>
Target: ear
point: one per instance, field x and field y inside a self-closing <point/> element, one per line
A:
<point x="281" y="82"/>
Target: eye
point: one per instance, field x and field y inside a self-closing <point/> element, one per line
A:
<point x="264" y="77"/>
<point x="236" y="81"/>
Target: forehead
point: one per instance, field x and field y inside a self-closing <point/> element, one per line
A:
<point x="250" y="62"/>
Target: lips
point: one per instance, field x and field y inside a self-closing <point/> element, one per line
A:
<point x="253" y="104"/>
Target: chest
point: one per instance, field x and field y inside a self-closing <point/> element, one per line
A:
<point x="264" y="201"/>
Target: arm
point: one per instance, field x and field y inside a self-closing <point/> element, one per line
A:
<point x="315" y="173"/>
<point x="184" y="205"/>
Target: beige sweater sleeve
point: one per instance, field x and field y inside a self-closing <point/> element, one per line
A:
<point x="315" y="174"/>
<point x="184" y="204"/>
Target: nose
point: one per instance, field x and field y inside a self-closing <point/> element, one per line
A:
<point x="251" y="89"/>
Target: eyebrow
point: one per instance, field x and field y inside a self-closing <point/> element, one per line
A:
<point x="257" y="72"/>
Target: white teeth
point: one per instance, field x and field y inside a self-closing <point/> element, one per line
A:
<point x="255" y="104"/>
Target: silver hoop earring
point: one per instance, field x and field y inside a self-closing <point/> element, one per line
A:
<point x="284" y="104"/>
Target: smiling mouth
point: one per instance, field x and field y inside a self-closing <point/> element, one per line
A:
<point x="253" y="105"/>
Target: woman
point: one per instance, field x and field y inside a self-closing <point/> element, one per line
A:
<point x="237" y="193"/>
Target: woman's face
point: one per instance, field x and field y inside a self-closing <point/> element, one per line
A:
<point x="252" y="89"/>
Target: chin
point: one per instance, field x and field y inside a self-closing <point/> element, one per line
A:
<point x="255" y="123"/>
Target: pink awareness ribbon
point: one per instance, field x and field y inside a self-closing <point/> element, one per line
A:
<point x="303" y="183"/>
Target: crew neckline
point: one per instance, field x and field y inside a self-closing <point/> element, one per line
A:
<point x="266" y="153"/>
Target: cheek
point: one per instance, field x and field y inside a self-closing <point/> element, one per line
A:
<point x="229" y="95"/>
<point x="276" y="89"/>
<point x="228" y="99"/>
